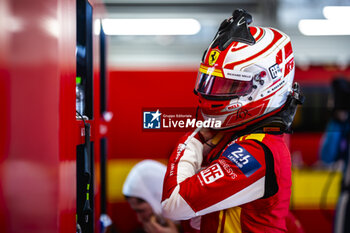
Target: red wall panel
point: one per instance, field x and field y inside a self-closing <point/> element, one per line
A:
<point x="29" y="165"/>
<point x="39" y="131"/>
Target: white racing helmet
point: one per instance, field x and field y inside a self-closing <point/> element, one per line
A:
<point x="246" y="74"/>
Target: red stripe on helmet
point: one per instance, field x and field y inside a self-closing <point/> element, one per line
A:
<point x="279" y="57"/>
<point x="289" y="66"/>
<point x="237" y="49"/>
<point x="277" y="36"/>
<point x="253" y="30"/>
<point x="260" y="35"/>
<point x="273" y="84"/>
<point x="288" y="50"/>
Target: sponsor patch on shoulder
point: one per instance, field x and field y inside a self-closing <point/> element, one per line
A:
<point x="212" y="173"/>
<point x="242" y="159"/>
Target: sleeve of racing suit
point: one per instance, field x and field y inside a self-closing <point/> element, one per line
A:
<point x="235" y="178"/>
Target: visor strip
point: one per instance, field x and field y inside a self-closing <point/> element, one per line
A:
<point x="210" y="71"/>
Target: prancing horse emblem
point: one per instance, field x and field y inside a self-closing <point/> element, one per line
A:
<point x="213" y="56"/>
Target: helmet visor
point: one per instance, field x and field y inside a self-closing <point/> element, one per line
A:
<point x="214" y="86"/>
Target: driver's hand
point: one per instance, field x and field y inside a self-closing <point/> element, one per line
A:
<point x="152" y="226"/>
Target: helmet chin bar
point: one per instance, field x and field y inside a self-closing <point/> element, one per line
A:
<point x="282" y="119"/>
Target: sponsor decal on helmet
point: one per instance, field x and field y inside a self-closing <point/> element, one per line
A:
<point x="238" y="75"/>
<point x="278" y="84"/>
<point x="242" y="114"/>
<point x="242" y="159"/>
<point x="275" y="71"/>
<point x="213" y="57"/>
<point x="233" y="106"/>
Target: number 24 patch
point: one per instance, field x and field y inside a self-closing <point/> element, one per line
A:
<point x="242" y="159"/>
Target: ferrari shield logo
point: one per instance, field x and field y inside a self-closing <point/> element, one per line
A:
<point x="213" y="56"/>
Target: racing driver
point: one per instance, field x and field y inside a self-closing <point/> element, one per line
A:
<point x="237" y="177"/>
